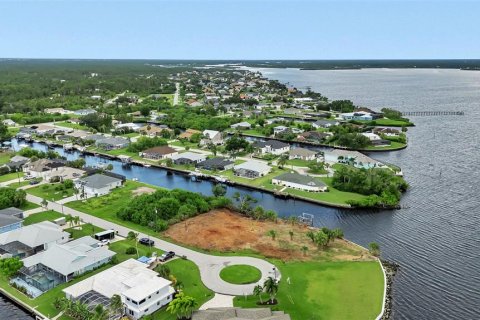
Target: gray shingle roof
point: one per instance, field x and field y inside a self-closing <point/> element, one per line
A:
<point x="300" y="179"/>
<point x="274" y="144"/>
<point x="12" y="211"/>
<point x="98" y="181"/>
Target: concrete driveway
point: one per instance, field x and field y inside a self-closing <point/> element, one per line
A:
<point x="209" y="265"/>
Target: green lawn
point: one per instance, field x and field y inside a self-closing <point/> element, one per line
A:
<point x="186" y="272"/>
<point x="49" y="191"/>
<point x="17" y="184"/>
<point x="11" y="176"/>
<point x="253" y="132"/>
<point x="83" y="230"/>
<point x="240" y="274"/>
<point x="178" y="143"/>
<point x="72" y="125"/>
<point x="5" y="157"/>
<point x="258" y="182"/>
<point x="393" y="146"/>
<point x="298" y="162"/>
<point x="120" y="246"/>
<point x="49" y="215"/>
<point x="390" y="122"/>
<point x="327" y="290"/>
<point x="29" y="205"/>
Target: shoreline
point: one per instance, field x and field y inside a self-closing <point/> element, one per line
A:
<point x="22" y="305"/>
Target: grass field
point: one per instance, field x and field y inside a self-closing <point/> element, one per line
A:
<point x="240" y="274"/>
<point x="5" y="157"/>
<point x="18" y="184"/>
<point x="394" y="146"/>
<point x="49" y="215"/>
<point x="120" y="246"/>
<point x="258" y="182"/>
<point x="29" y="205"/>
<point x="72" y="125"/>
<point x="327" y="290"/>
<point x="49" y="191"/>
<point x="11" y="176"/>
<point x="390" y="123"/>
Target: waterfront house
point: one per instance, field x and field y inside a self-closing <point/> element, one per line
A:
<point x="158" y="153"/>
<point x="389" y="132"/>
<point x="28" y="240"/>
<point x="10" y="219"/>
<point x="251" y="169"/>
<point x="112" y="143"/>
<point x="154" y="131"/>
<point x="354" y="158"/>
<point x="142" y="291"/>
<point x="313" y="136"/>
<point x="300" y="182"/>
<point x="97" y="184"/>
<point x="60" y="263"/>
<point x="57" y="110"/>
<point x="16" y="163"/>
<point x="188" y="158"/>
<point x="43" y="167"/>
<point x="84" y="112"/>
<point x="360" y="115"/>
<point x="280" y="129"/>
<point x="302" y="154"/>
<point x="241" y="126"/>
<point x="217" y="163"/>
<point x="274" y="147"/>
<point x="211" y="137"/>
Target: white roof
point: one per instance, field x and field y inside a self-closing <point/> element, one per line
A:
<point x="253" y="165"/>
<point x="241" y="124"/>
<point x="130" y="278"/>
<point x="70" y="257"/>
<point x="35" y="234"/>
<point x="210" y="133"/>
<point x="189" y="155"/>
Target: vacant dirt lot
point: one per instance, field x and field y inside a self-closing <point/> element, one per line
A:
<point x="142" y="190"/>
<point x="223" y="230"/>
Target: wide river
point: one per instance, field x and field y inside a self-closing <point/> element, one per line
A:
<point x="436" y="238"/>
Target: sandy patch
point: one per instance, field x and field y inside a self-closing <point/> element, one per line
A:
<point x="142" y="190"/>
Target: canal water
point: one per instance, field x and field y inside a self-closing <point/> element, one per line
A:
<point x="436" y="237"/>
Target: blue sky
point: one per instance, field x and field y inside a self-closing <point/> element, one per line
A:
<point x="239" y="29"/>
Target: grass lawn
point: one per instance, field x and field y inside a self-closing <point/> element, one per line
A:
<point x="177" y="143"/>
<point x="327" y="290"/>
<point x="83" y="230"/>
<point x="29" y="205"/>
<point x="11" y="176"/>
<point x="5" y="157"/>
<point x="391" y="123"/>
<point x="186" y="272"/>
<point x="394" y="145"/>
<point x="17" y="184"/>
<point x="240" y="274"/>
<point x="120" y="246"/>
<point x="106" y="207"/>
<point x="130" y="135"/>
<point x="253" y="132"/>
<point x="258" y="182"/>
<point x="49" y="191"/>
<point x="49" y="215"/>
<point x="298" y="162"/>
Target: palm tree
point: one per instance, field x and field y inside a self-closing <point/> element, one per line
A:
<point x="257" y="291"/>
<point x="182" y="306"/>
<point x="272" y="233"/>
<point x="100" y="313"/>
<point x="76" y="220"/>
<point x="291" y="234"/>
<point x="44" y="204"/>
<point x="282" y="161"/>
<point x="271" y="287"/>
<point x="76" y="192"/>
<point x="163" y="271"/>
<point x="69" y="220"/>
<point x="116" y="304"/>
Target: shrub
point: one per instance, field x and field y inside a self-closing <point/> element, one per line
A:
<point x="130" y="250"/>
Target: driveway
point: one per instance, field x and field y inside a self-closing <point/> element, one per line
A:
<point x="209" y="265"/>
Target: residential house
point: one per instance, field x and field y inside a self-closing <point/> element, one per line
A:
<point x="188" y="158"/>
<point x="293" y="111"/>
<point x="274" y="147"/>
<point x="57" y="110"/>
<point x="84" y="112"/>
<point x="302" y="154"/>
<point x="10" y="219"/>
<point x="216" y="163"/>
<point x="158" y="153"/>
<point x="154" y="131"/>
<point x="16" y="163"/>
<point x="324" y="124"/>
<point x="97" y="184"/>
<point x="389" y="132"/>
<point x="28" y="240"/>
<point x="112" y="143"/>
<point x="130" y="126"/>
<point x="301" y="182"/>
<point x="354" y="158"/>
<point x="252" y="169"/>
<point x="188" y="134"/>
<point x="280" y="129"/>
<point x="9" y="123"/>
<point x="43" y="168"/>
<point x="361" y="115"/>
<point x="142" y="291"/>
<point x="61" y="263"/>
<point x="313" y="136"/>
<point x="241" y="126"/>
<point x="211" y="137"/>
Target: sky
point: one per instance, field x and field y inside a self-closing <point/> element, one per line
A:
<point x="233" y="29"/>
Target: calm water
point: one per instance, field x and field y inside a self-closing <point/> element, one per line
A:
<point x="436" y="240"/>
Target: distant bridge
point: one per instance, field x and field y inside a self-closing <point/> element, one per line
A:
<point x="432" y="113"/>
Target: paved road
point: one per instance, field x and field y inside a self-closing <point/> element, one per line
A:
<point x="209" y="265"/>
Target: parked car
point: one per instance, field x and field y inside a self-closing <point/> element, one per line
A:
<point x="32" y="182"/>
<point x="167" y="256"/>
<point x="104" y="242"/>
<point x="146" y="242"/>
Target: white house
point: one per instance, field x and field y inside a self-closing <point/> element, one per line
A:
<point x="371" y="136"/>
<point x="241" y="125"/>
<point x="360" y="115"/>
<point x="252" y="169"/>
<point x="188" y="158"/>
<point x="211" y="136"/>
<point x="9" y="123"/>
<point x="355" y="158"/>
<point x="84" y="112"/>
<point x="302" y="154"/>
<point x="142" y="291"/>
<point x="97" y="185"/>
<point x="301" y="182"/>
<point x="43" y="168"/>
<point x="272" y="147"/>
<point x="324" y="123"/>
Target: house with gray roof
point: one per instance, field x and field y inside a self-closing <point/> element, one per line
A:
<point x="112" y="143"/>
<point x="301" y="182"/>
<point x="97" y="185"/>
<point x="252" y="169"/>
<point x="217" y="163"/>
<point x="188" y="158"/>
<point x="325" y="123"/>
<point x="241" y="125"/>
<point x="28" y="240"/>
<point x="302" y="154"/>
<point x="274" y="147"/>
<point x="62" y="262"/>
<point x="16" y="163"/>
<point x="10" y="219"/>
<point x="239" y="313"/>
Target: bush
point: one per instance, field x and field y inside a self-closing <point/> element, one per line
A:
<point x="130" y="250"/>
